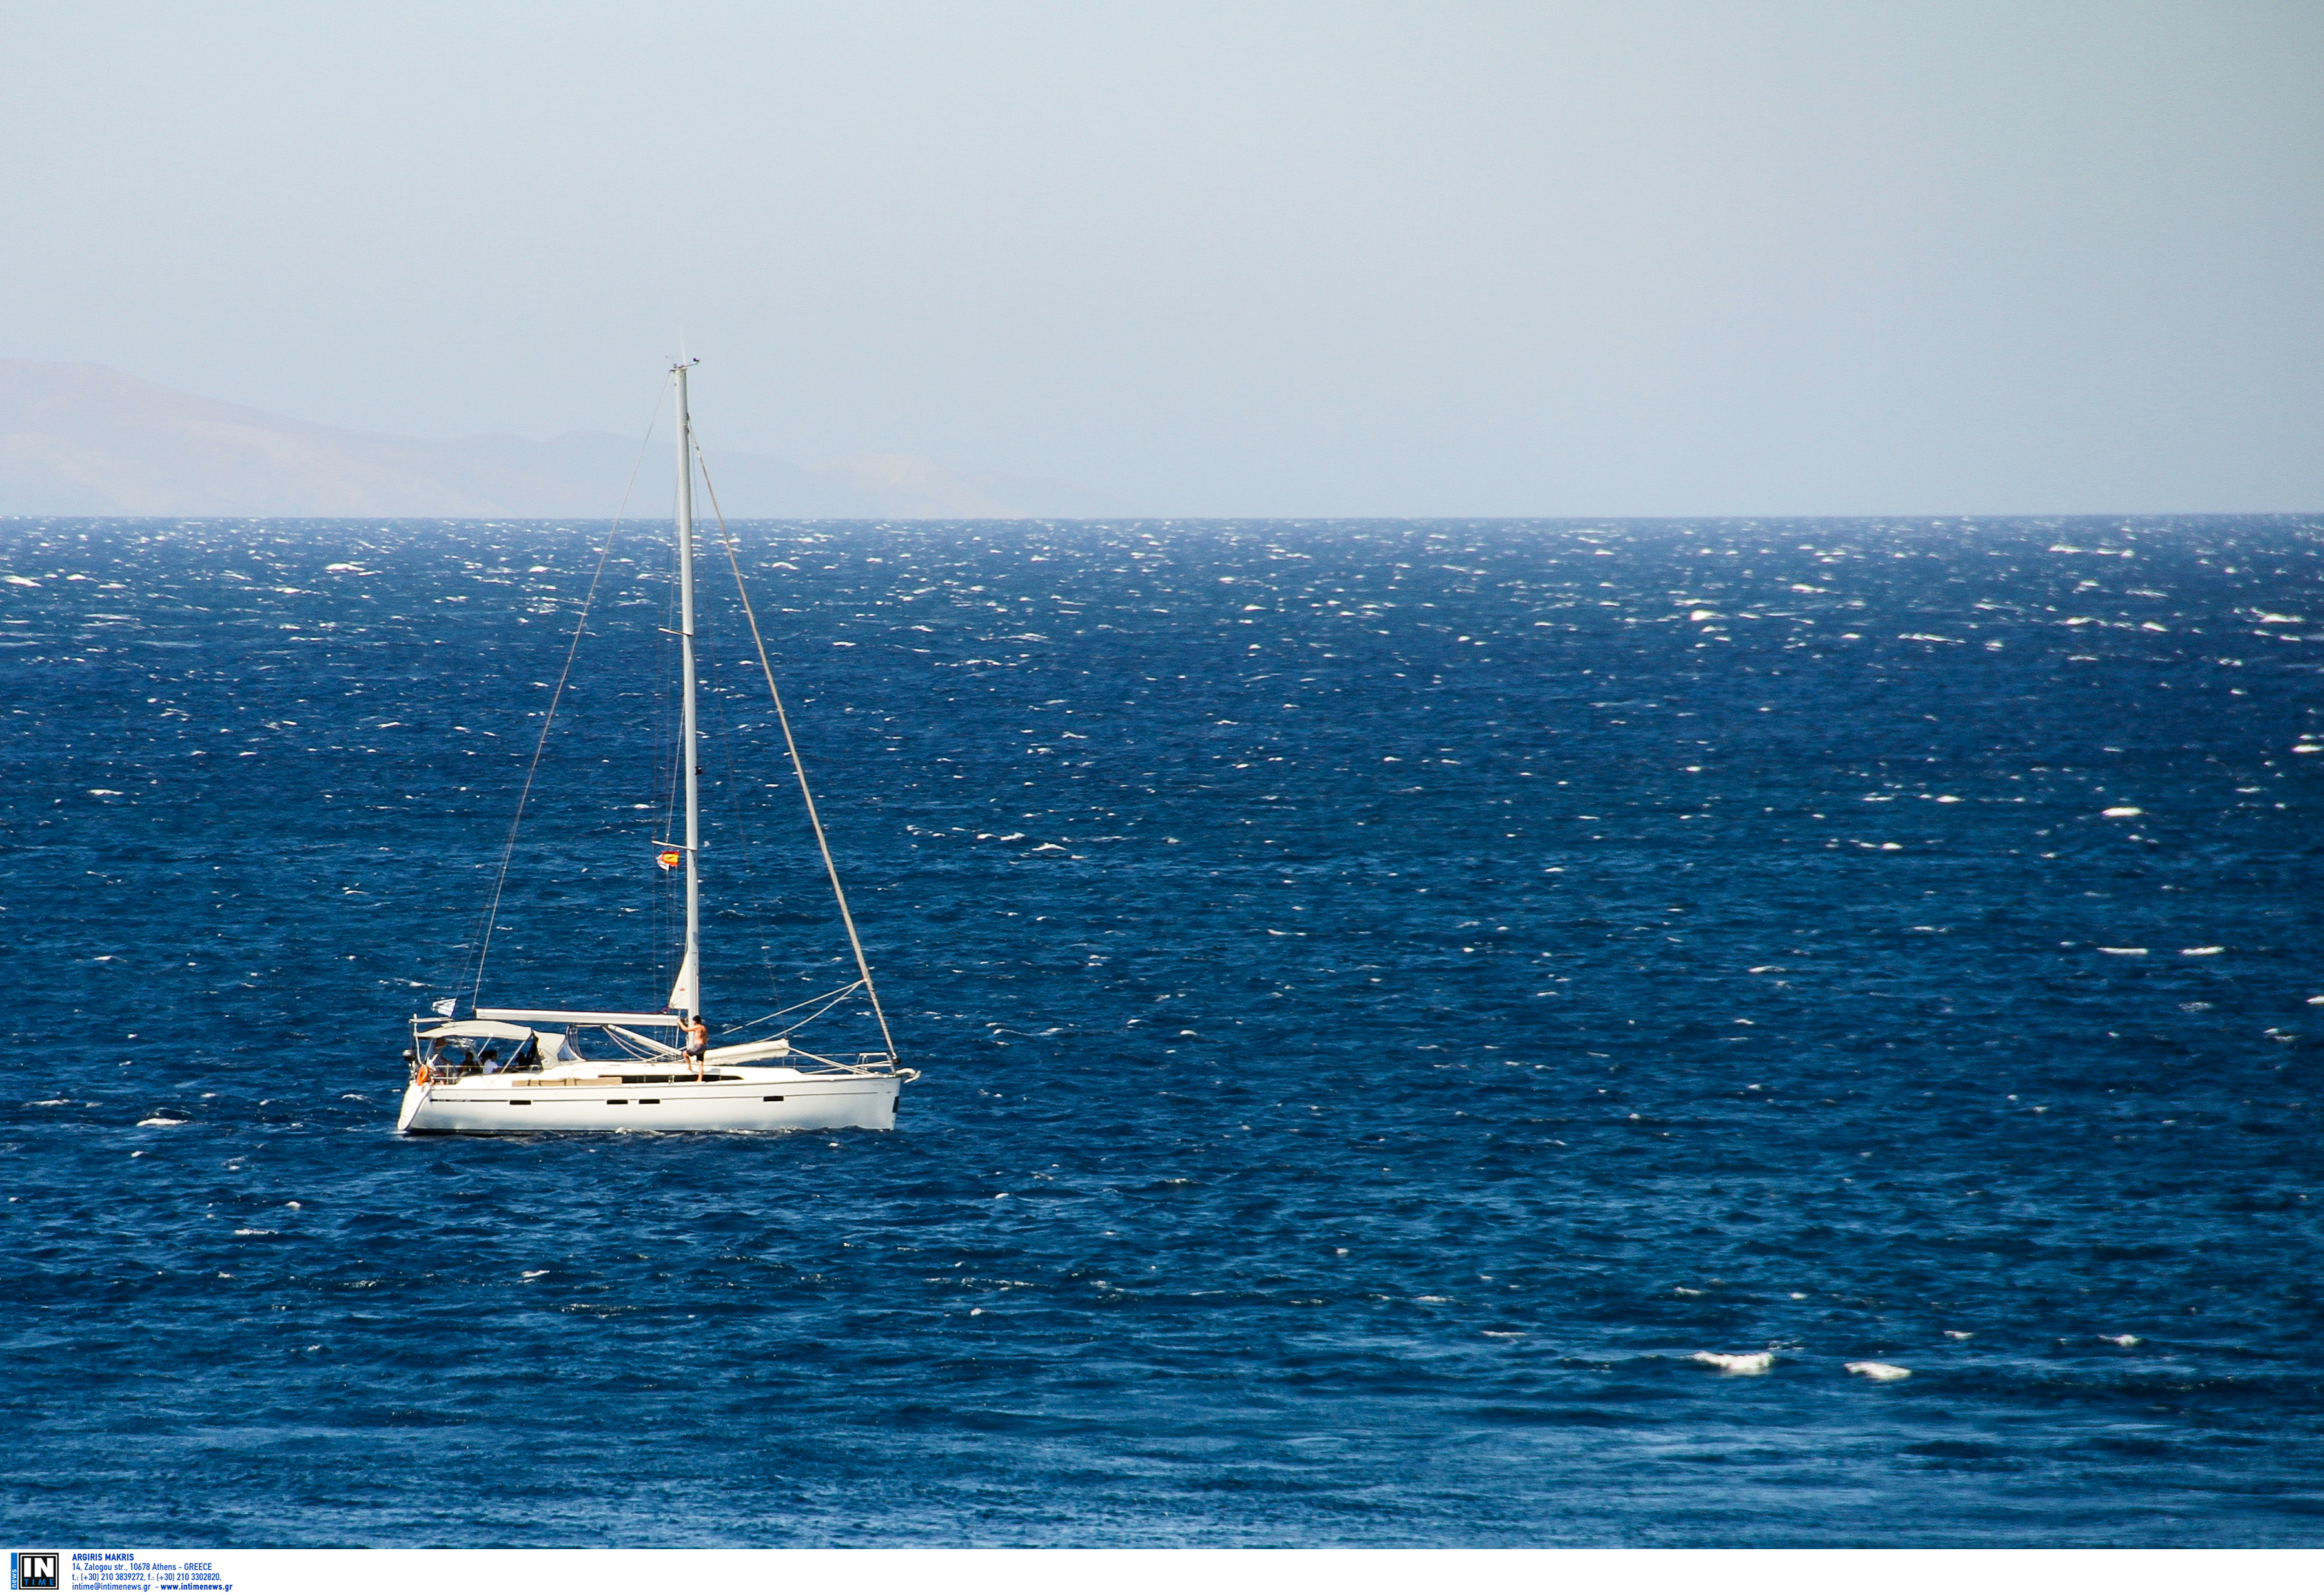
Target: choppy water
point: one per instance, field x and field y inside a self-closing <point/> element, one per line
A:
<point x="1390" y="994"/>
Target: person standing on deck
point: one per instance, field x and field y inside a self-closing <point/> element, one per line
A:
<point x="697" y="1041"/>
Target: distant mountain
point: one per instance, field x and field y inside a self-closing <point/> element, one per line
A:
<point x="87" y="441"/>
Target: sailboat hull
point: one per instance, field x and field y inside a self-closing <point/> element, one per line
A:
<point x="862" y="1102"/>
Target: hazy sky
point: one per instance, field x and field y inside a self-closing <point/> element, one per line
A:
<point x="1226" y="259"/>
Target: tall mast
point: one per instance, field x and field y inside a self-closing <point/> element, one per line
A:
<point x="686" y="997"/>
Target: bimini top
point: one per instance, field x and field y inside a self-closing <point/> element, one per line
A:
<point x="477" y="1027"/>
<point x="558" y="1016"/>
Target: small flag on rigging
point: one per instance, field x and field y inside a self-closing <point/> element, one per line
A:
<point x="669" y="858"/>
<point x="443" y="1007"/>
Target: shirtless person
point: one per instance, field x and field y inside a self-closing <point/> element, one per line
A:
<point x="697" y="1041"/>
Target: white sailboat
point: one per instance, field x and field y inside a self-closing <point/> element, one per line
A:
<point x="567" y="1069"/>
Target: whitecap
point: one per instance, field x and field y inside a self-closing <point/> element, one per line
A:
<point x="2125" y="951"/>
<point x="1736" y="1362"/>
<point x="2122" y="812"/>
<point x="532" y="1273"/>
<point x="143" y="1123"/>
<point x="2120" y="1339"/>
<point x="2200" y="951"/>
<point x="253" y="1231"/>
<point x="1880" y="1370"/>
<point x="1959" y="1335"/>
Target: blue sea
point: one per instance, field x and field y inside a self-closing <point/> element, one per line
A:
<point x="1388" y="994"/>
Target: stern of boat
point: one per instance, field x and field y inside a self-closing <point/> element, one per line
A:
<point x="415" y="1097"/>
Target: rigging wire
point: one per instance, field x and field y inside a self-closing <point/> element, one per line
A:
<point x="508" y="849"/>
<point x="630" y="1048"/>
<point x="669" y="902"/>
<point x="725" y="729"/>
<point x="818" y="1013"/>
<point x="830" y="996"/>
<point x="799" y="766"/>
